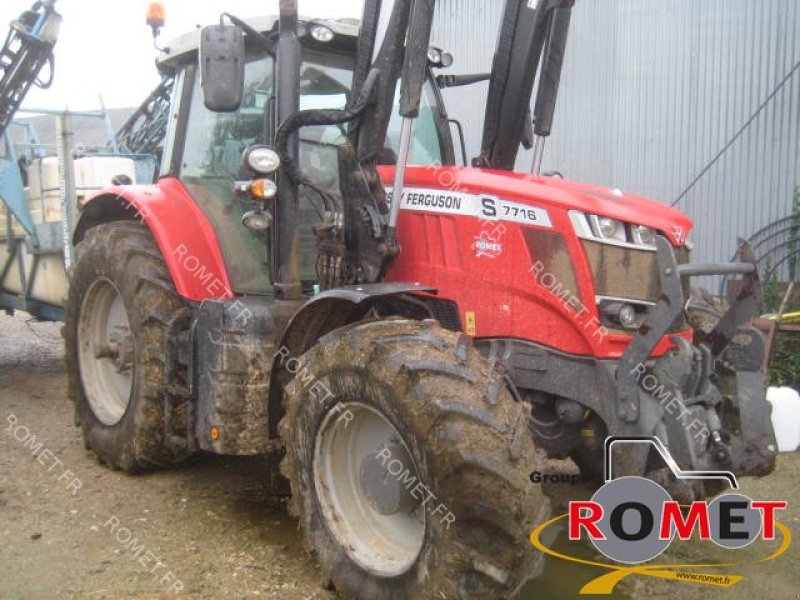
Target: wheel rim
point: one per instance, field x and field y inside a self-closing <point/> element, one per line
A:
<point x="354" y="448"/>
<point x="105" y="352"/>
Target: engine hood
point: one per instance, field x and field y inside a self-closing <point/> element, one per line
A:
<point x="551" y="193"/>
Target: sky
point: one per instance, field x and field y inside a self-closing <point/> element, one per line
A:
<point x="105" y="48"/>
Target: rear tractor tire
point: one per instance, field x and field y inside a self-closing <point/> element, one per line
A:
<point x="121" y="300"/>
<point x="409" y="465"/>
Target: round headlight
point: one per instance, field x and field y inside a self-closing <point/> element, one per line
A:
<point x="321" y="34"/>
<point x="257" y="220"/>
<point x="644" y="236"/>
<point x="262" y="159"/>
<point x="434" y="56"/>
<point x="627" y="316"/>
<point x="611" y="229"/>
<point x="447" y="60"/>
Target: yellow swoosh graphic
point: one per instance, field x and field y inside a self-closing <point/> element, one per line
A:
<point x="605" y="584"/>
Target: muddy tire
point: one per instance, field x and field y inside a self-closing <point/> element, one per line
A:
<point x="120" y="302"/>
<point x="590" y="464"/>
<point x="372" y="393"/>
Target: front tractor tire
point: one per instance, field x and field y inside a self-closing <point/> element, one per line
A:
<point x="409" y="464"/>
<point x="121" y="300"/>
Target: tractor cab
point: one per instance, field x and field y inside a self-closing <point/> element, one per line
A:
<point x="204" y="149"/>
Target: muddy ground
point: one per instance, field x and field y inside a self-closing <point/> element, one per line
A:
<point x="211" y="528"/>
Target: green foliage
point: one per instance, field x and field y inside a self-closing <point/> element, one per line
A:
<point x="784" y="369"/>
<point x="785" y="363"/>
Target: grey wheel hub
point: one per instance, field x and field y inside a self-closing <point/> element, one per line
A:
<point x="363" y="472"/>
<point x="105" y="352"/>
<point x="385" y="492"/>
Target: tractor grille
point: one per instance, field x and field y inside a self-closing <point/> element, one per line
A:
<point x="621" y="272"/>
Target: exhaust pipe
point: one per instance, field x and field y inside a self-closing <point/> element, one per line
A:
<point x="286" y="243"/>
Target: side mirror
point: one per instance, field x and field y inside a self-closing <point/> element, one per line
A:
<point x="222" y="60"/>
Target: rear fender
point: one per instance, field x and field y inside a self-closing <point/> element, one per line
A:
<point x="183" y="233"/>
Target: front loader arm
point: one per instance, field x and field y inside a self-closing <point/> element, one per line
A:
<point x="525" y="29"/>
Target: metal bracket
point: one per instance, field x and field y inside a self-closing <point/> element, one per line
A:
<point x="12" y="194"/>
<point x="670" y="307"/>
<point x="666" y="312"/>
<point x="49" y="239"/>
<point x="743" y="306"/>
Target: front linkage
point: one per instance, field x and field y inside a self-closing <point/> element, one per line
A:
<point x="704" y="399"/>
<point x="709" y="396"/>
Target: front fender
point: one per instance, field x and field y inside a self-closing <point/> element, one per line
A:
<point x="183" y="233"/>
<point x="321" y="315"/>
<point x="335" y="308"/>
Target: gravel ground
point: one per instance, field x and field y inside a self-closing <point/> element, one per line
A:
<point x="214" y="528"/>
<point x="69" y="527"/>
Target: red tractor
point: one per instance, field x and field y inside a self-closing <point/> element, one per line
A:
<point x="409" y="354"/>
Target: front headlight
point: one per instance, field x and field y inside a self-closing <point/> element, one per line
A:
<point x="622" y="313"/>
<point x="608" y="229"/>
<point x="257" y="220"/>
<point x="644" y="236"/>
<point x="322" y="34"/>
<point x="439" y="58"/>
<point x="261" y="159"/>
<point x="611" y="231"/>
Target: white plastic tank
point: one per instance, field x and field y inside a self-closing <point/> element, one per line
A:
<point x="785" y="417"/>
<point x="51" y="283"/>
<point x="16" y="228"/>
<point x="91" y="174"/>
<point x="44" y="197"/>
<point x="96" y="172"/>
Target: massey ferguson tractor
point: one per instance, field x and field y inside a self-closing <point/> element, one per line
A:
<point x="312" y="278"/>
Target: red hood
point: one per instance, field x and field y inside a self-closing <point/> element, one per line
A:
<point x="553" y="192"/>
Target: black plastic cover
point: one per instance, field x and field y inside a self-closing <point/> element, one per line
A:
<point x="416" y="58"/>
<point x="222" y="60"/>
<point x="551" y="71"/>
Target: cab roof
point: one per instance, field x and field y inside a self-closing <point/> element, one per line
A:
<point x="185" y="46"/>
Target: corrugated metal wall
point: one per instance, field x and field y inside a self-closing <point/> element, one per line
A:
<point x="652" y="90"/>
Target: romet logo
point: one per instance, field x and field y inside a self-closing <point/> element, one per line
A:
<point x="486" y="246"/>
<point x="633" y="520"/>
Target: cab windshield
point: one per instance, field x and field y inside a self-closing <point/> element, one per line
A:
<point x="214" y="144"/>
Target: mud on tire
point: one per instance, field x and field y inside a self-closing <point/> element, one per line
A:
<point x="125" y="254"/>
<point x="467" y="436"/>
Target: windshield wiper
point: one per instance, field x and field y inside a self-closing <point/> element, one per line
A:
<point x="258" y="38"/>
